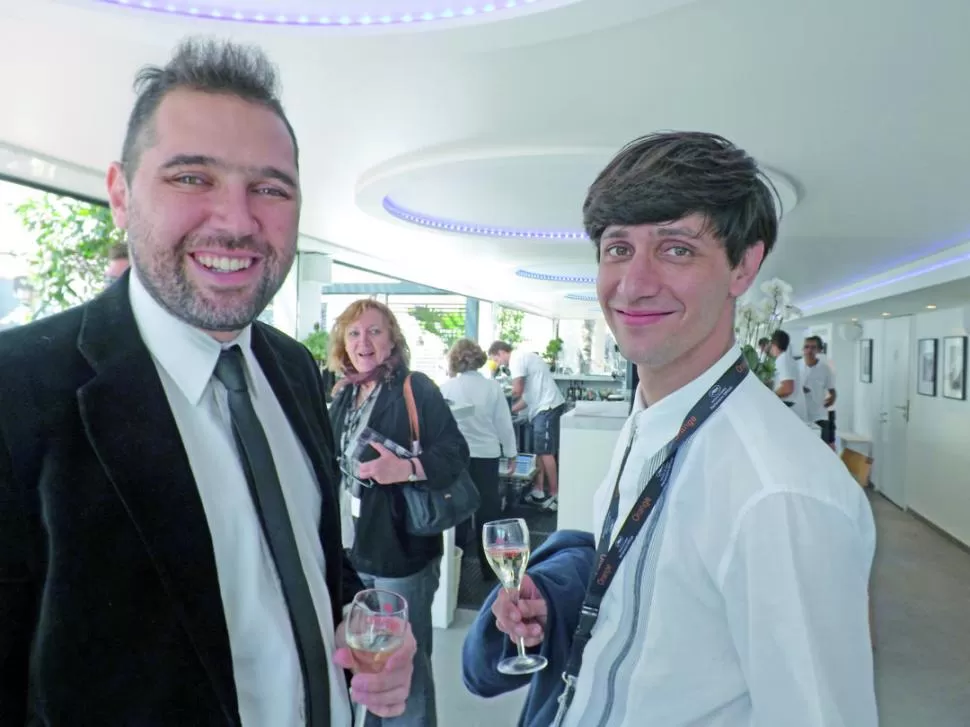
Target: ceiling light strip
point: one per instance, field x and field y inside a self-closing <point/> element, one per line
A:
<point x="556" y="277"/>
<point x="211" y="11"/>
<point x="473" y="228"/>
<point x="828" y="299"/>
<point x="584" y="297"/>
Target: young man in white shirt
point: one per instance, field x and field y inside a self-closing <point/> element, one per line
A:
<point x="787" y="383"/>
<point x="818" y="383"/>
<point x="537" y="392"/>
<point x="737" y="597"/>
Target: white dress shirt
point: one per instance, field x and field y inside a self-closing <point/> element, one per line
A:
<point x="265" y="664"/>
<point x="488" y="431"/>
<point x="540" y="391"/>
<point x="749" y="607"/>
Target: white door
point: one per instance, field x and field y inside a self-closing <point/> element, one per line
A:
<point x="895" y="410"/>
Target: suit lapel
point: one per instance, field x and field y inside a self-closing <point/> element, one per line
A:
<point x="131" y="427"/>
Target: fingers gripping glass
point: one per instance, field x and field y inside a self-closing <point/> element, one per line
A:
<point x="506" y="544"/>
<point x="376" y="627"/>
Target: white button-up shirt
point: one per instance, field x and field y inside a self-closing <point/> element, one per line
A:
<point x="488" y="431"/>
<point x="265" y="664"/>
<point x="749" y="607"/>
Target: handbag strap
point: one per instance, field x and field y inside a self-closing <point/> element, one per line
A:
<point x="412" y="412"/>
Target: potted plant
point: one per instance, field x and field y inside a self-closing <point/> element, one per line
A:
<point x="553" y="349"/>
<point x="318" y="343"/>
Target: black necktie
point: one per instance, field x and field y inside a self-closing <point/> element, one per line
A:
<point x="264" y="486"/>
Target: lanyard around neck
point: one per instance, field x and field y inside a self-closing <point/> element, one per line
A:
<point x="609" y="558"/>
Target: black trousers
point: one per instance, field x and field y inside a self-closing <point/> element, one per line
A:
<point x="484" y="473"/>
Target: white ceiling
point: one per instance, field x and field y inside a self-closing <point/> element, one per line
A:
<point x="860" y="104"/>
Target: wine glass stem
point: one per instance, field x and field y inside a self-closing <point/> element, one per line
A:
<point x="521" y="645"/>
<point x="360" y="719"/>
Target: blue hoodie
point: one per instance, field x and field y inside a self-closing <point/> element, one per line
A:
<point x="560" y="568"/>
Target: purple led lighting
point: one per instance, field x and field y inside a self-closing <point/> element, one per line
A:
<point x="556" y="277"/>
<point x="227" y="11"/>
<point x="824" y="300"/>
<point x="473" y="228"/>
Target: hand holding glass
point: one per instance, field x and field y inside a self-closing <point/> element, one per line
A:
<point x="506" y="544"/>
<point x="376" y="627"/>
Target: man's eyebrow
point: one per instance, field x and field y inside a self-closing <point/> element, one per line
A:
<point x="203" y="160"/>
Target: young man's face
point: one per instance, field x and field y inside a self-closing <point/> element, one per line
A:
<point x="668" y="290"/>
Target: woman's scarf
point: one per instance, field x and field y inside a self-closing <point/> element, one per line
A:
<point x="383" y="372"/>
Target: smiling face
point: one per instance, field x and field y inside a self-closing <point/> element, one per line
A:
<point x="368" y="341"/>
<point x="668" y="291"/>
<point x="212" y="210"/>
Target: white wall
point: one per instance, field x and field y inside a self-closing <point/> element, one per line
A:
<point x="938" y="434"/>
<point x="938" y="446"/>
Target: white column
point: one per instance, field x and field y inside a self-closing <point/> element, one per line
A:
<point x="285" y="303"/>
<point x="315" y="270"/>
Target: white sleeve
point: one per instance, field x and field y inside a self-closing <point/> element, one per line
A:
<point x="795" y="584"/>
<point x="829" y="379"/>
<point x="789" y="370"/>
<point x="517" y="365"/>
<point x="502" y="421"/>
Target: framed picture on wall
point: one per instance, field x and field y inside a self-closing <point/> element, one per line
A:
<point x="865" y="360"/>
<point x="954" y="374"/>
<point x="926" y="367"/>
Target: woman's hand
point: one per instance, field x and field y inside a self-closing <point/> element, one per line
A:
<point x="387" y="469"/>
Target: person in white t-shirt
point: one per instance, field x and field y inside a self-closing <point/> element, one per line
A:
<point x="818" y="383"/>
<point x="737" y="595"/>
<point x="787" y="383"/>
<point x="538" y="393"/>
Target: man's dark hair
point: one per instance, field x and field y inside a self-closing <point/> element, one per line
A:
<point x="118" y="251"/>
<point x="817" y="340"/>
<point x="781" y="339"/>
<point x="201" y="65"/>
<point x="499" y="346"/>
<point x="664" y="177"/>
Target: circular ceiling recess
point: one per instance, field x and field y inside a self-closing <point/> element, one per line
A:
<point x="529" y="193"/>
<point x="359" y="14"/>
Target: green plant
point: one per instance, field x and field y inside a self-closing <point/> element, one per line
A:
<point x="510" y="325"/>
<point x="448" y="326"/>
<point x="73" y="239"/>
<point x="318" y="343"/>
<point x="553" y="349"/>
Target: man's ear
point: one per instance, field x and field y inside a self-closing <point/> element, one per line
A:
<point x="118" y="195"/>
<point x="747" y="270"/>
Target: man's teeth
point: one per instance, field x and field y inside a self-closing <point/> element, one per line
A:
<point x="224" y="264"/>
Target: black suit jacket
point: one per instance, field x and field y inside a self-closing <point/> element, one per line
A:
<point x="110" y="610"/>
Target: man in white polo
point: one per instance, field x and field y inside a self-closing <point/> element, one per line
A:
<point x="536" y="391"/>
<point x="818" y="385"/>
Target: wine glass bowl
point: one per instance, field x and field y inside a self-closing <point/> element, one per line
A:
<point x="376" y="627"/>
<point x="507" y="548"/>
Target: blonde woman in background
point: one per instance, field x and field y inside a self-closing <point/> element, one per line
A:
<point x="368" y="349"/>
<point x="488" y="431"/>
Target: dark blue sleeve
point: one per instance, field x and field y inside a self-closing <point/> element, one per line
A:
<point x="561" y="578"/>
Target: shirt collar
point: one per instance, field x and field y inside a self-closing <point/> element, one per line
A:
<point x="186" y="354"/>
<point x="675" y="406"/>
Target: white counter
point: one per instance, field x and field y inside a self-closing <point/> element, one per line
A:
<point x="587" y="439"/>
<point x="446" y="598"/>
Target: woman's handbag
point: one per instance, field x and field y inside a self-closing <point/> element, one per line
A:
<point x="432" y="511"/>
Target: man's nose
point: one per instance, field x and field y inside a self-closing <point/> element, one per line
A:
<point x="233" y="213"/>
<point x="641" y="278"/>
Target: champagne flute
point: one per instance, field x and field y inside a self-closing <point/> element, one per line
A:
<point x="376" y="626"/>
<point x="506" y="545"/>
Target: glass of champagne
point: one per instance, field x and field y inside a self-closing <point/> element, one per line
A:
<point x="506" y="545"/>
<point x="376" y="626"/>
